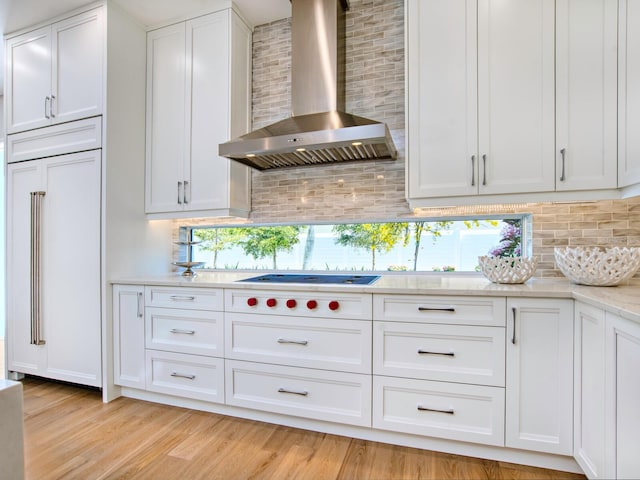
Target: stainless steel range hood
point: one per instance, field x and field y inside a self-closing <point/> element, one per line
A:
<point x="318" y="131"/>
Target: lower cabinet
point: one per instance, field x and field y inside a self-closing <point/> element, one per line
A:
<point x="539" y="375"/>
<point x="128" y="336"/>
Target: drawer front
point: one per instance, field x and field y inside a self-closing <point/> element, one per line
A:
<point x="490" y="311"/>
<point x="318" y="394"/>
<point x="190" y="376"/>
<point x="468" y="413"/>
<point x="184" y="331"/>
<point x="324" y="343"/>
<point x="180" y="297"/>
<point x="347" y="305"/>
<point x="450" y="353"/>
<point x="59" y="139"/>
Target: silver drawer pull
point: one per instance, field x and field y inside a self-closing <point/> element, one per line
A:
<point x="183" y="375"/>
<point x="427" y="352"/>
<point x="436" y="309"/>
<point x="178" y="298"/>
<point x="425" y="409"/>
<point x="302" y="393"/>
<point x="185" y="332"/>
<point x="295" y="342"/>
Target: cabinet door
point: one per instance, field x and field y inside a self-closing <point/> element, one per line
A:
<point x="623" y="345"/>
<point x="77" y="61"/>
<point x="539" y="379"/>
<point x="443" y="96"/>
<point x="22" y="178"/>
<point x="586" y="89"/>
<point x="629" y="93"/>
<point x="128" y="335"/>
<point x="516" y="92"/>
<point x="71" y="308"/>
<point x="167" y="119"/>
<point x="28" y="80"/>
<point x="589" y="396"/>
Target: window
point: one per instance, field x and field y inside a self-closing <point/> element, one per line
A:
<point x="418" y="245"/>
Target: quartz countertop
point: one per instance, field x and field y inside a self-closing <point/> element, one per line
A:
<point x="623" y="300"/>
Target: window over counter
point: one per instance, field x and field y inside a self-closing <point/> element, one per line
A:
<point x="416" y="245"/>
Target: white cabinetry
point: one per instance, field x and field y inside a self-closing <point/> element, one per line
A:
<point x="128" y="335"/>
<point x="589" y="444"/>
<point x="471" y="130"/>
<point x="54" y="74"/>
<point x="198" y="95"/>
<point x="586" y="94"/>
<point x="53" y="304"/>
<point x="629" y="93"/>
<point x="539" y="375"/>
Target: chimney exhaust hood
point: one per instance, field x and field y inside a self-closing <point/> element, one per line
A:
<point x="318" y="131"/>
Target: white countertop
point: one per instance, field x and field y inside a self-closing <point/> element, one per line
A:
<point x="623" y="300"/>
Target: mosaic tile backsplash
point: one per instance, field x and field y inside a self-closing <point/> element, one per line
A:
<point x="376" y="190"/>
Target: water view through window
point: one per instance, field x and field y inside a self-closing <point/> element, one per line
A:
<point x="417" y="245"/>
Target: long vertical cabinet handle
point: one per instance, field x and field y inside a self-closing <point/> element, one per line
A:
<point x="184" y="192"/>
<point x="563" y="152"/>
<point x="179" y="195"/>
<point x="514" y="313"/>
<point x="53" y="115"/>
<point x="140" y="304"/>
<point x="46" y="107"/>
<point x="473" y="170"/>
<point x="484" y="169"/>
<point x="36" y="236"/>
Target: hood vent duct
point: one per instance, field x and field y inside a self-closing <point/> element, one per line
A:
<point x="318" y="131"/>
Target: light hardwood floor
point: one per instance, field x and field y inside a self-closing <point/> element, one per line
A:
<point x="71" y="434"/>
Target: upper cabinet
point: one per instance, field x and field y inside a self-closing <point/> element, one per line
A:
<point x="198" y="95"/>
<point x="54" y="74"/>
<point x="510" y="98"/>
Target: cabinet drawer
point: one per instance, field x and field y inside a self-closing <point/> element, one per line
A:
<point x="452" y="353"/>
<point x="318" y="394"/>
<point x="354" y="306"/>
<point x="55" y="140"/>
<point x="469" y="413"/>
<point x="191" y="376"/>
<point x="332" y="344"/>
<point x="184" y="331"/>
<point x="440" y="309"/>
<point x="179" y="297"/>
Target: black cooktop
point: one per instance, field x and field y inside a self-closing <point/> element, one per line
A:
<point x="313" y="279"/>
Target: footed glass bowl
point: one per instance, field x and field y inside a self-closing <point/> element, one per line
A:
<point x="596" y="266"/>
<point x="508" y="269"/>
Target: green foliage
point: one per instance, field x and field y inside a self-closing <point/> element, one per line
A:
<point x="261" y="242"/>
<point x="216" y="239"/>
<point x="375" y="237"/>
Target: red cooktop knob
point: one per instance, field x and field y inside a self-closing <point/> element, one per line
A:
<point x="252" y="302"/>
<point x="271" y="302"/>
<point x="333" y="305"/>
<point x="291" y="303"/>
<point x="312" y="304"/>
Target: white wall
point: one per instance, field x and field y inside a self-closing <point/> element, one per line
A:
<point x="2" y="250"/>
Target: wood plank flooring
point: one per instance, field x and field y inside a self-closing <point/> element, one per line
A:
<point x="71" y="434"/>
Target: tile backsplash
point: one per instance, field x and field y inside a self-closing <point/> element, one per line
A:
<point x="376" y="190"/>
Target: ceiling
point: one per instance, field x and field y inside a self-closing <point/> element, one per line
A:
<point x="18" y="14"/>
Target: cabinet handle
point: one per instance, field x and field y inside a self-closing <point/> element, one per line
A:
<point x="185" y="332"/>
<point x="427" y="352"/>
<point x="179" y="196"/>
<point x="436" y="309"/>
<point x="53" y="97"/>
<point x="562" y="155"/>
<point x="179" y="298"/>
<point x="473" y="170"/>
<point x="184" y="192"/>
<point x="295" y="342"/>
<point x="183" y="375"/>
<point x="46" y="101"/>
<point x="484" y="169"/>
<point x="302" y="393"/>
<point x="36" y="237"/>
<point x="514" y="310"/>
<point x="140" y="312"/>
<point x="426" y="409"/>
